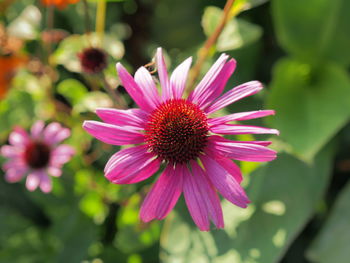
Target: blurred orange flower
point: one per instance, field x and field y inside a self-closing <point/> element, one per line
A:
<point x="8" y="66"/>
<point x="59" y="3"/>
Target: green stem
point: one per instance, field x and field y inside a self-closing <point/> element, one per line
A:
<point x="100" y="19"/>
<point x="212" y="39"/>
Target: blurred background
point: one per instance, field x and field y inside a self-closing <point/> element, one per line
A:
<point x="300" y="210"/>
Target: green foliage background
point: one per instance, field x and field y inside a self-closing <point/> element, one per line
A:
<point x="300" y="210"/>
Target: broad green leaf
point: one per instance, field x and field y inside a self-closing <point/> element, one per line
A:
<point x="236" y="34"/>
<point x="72" y="89"/>
<point x="315" y="29"/>
<point x="332" y="243"/>
<point x="284" y="194"/>
<point x="311" y="105"/>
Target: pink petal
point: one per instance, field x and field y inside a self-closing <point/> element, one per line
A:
<point x="10" y="151"/>
<point x="13" y="175"/>
<point x="241" y="116"/>
<point x="232" y="168"/>
<point x="163" y="76"/>
<point x="132" y="117"/>
<point x="37" y="129"/>
<point x="61" y="135"/>
<point x="19" y="137"/>
<point x="133" y="88"/>
<point x="241" y="129"/>
<point x="33" y="180"/>
<point x="14" y="163"/>
<point x="131" y="165"/>
<point x="240" y="150"/>
<point x="179" y="77"/>
<point x="45" y="183"/>
<point x="237" y="93"/>
<point x="206" y="88"/>
<point x="216" y="88"/>
<point x="54" y="171"/>
<point x="201" y="199"/>
<point x="224" y="182"/>
<point x="163" y="195"/>
<point x="144" y="79"/>
<point x="51" y="131"/>
<point x="61" y="155"/>
<point x="111" y="134"/>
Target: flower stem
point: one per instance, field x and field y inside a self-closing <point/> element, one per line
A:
<point x="100" y="19"/>
<point x="212" y="39"/>
<point x="87" y="17"/>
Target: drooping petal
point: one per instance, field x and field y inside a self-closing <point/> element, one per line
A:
<point x="241" y="116"/>
<point x="241" y="151"/>
<point x="224" y="182"/>
<point x="54" y="171"/>
<point x="33" y="180"/>
<point x="201" y="199"/>
<point x="10" y="151"/>
<point x="45" y="183"/>
<point x="37" y="129"/>
<point x="179" y="77"/>
<point x="241" y="129"/>
<point x="133" y="88"/>
<point x="237" y="93"/>
<point x="144" y="79"/>
<point x="131" y="165"/>
<point x="111" y="134"/>
<point x="163" y="76"/>
<point x="163" y="195"/>
<point x="230" y="166"/>
<point x="13" y="175"/>
<point x="132" y="117"/>
<point x="205" y="87"/>
<point x="19" y="137"/>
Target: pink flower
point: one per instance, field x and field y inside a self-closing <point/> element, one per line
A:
<point x="181" y="134"/>
<point x="36" y="155"/>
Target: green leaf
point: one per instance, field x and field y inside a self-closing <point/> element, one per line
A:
<point x="93" y="100"/>
<point x="311" y="105"/>
<point x="284" y="194"/>
<point x="73" y="90"/>
<point x="236" y="34"/>
<point x="315" y="29"/>
<point x="332" y="243"/>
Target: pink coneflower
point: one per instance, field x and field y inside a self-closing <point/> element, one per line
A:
<point x="181" y="134"/>
<point x="36" y="155"/>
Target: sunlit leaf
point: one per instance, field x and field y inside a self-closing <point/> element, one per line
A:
<point x="236" y="34"/>
<point x="311" y="105"/>
<point x="332" y="243"/>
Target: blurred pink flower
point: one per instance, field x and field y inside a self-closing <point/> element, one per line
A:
<point x="181" y="134"/>
<point x="37" y="155"/>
